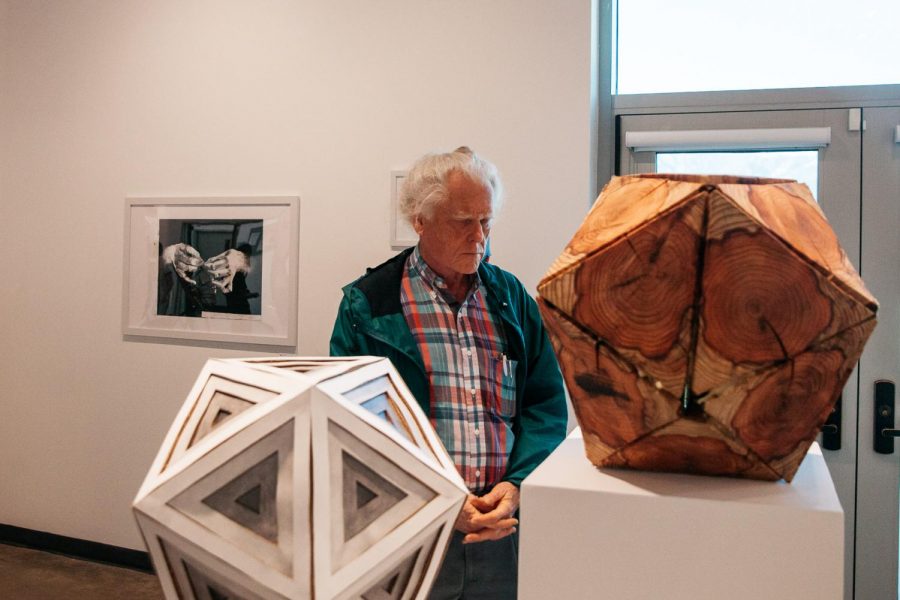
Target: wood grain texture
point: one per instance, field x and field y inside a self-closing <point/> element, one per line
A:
<point x="638" y="295"/>
<point x="627" y="200"/>
<point x="759" y="306"/>
<point x="695" y="446"/>
<point x="612" y="401"/>
<point x="705" y="324"/>
<point x="762" y="301"/>
<point x="790" y="212"/>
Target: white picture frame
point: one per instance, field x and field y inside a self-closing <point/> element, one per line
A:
<point x="245" y="289"/>
<point x="402" y="233"/>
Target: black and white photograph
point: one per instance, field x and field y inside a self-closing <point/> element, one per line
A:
<point x="210" y="268"/>
<point x="219" y="269"/>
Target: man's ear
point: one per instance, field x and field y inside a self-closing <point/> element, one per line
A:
<point x="418" y="224"/>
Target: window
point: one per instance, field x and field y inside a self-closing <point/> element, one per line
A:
<point x="800" y="165"/>
<point x="707" y="45"/>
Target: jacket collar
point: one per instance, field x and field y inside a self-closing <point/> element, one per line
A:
<point x="381" y="285"/>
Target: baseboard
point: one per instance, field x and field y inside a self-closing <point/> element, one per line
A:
<point x="77" y="548"/>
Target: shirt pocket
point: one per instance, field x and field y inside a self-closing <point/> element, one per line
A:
<point x="504" y="371"/>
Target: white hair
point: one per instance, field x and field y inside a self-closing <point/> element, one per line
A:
<point x="425" y="185"/>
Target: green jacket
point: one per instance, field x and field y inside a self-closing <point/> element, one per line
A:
<point x="370" y="321"/>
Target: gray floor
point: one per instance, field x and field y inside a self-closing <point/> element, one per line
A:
<point x="27" y="574"/>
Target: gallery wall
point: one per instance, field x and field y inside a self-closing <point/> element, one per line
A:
<point x="105" y="99"/>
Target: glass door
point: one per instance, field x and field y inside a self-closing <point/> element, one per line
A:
<point x="818" y="147"/>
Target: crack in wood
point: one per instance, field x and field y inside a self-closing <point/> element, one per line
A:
<point x="689" y="399"/>
<point x="764" y="322"/>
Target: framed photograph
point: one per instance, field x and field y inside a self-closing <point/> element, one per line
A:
<point x="402" y="233"/>
<point x="218" y="269"/>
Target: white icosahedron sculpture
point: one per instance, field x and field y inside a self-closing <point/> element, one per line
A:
<point x="299" y="478"/>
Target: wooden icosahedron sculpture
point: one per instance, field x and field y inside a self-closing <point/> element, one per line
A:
<point x="705" y="324"/>
<point x="299" y="478"/>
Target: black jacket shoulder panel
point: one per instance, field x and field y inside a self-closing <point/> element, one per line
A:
<point x="381" y="285"/>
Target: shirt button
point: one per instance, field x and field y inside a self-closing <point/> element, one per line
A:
<point x="473" y="391"/>
<point x="476" y="431"/>
<point x="468" y="352"/>
<point x="477" y="473"/>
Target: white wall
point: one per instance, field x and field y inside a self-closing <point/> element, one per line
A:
<point x="105" y="99"/>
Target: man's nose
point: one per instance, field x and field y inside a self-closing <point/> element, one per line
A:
<point x="477" y="233"/>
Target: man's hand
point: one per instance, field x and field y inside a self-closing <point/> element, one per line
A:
<point x="489" y="517"/>
<point x="223" y="267"/>
<point x="184" y="259"/>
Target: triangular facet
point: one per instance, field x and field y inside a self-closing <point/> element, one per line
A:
<point x="224" y="501"/>
<point x="194" y="579"/>
<point x="404" y="576"/>
<point x="204" y="589"/>
<point x="221" y="416"/>
<point x="252" y="499"/>
<point x="389" y="585"/>
<point x="363" y="495"/>
<point x="215" y="594"/>
<point x="379" y="495"/>
<point x="235" y="499"/>
<point x="392" y="586"/>
<point x="358" y="472"/>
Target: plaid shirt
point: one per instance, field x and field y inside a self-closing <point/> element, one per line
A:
<point x="472" y="380"/>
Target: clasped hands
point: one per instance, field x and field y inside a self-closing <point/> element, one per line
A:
<point x="489" y="517"/>
<point x="222" y="268"/>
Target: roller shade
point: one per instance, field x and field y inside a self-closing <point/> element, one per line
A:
<point x="728" y="139"/>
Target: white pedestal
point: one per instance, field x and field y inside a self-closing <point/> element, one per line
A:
<point x="592" y="533"/>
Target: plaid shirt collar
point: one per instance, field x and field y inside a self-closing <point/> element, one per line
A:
<point x="436" y="282"/>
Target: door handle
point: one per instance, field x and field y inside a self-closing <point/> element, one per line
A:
<point x="831" y="430"/>
<point x="884" y="432"/>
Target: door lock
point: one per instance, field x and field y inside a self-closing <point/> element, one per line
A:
<point x="831" y="430"/>
<point x="884" y="432"/>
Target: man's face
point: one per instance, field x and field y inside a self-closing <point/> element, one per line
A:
<point x="452" y="240"/>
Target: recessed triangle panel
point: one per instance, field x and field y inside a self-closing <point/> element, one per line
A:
<point x="216" y="595"/>
<point x="249" y="498"/>
<point x="222" y="406"/>
<point x="221" y="416"/>
<point x="367" y="495"/>
<point x="363" y="495"/>
<point x="375" y="398"/>
<point x="358" y="471"/>
<point x="252" y="499"/>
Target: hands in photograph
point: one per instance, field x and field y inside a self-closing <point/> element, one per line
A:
<point x="489" y="517"/>
<point x="223" y="267"/>
<point x="184" y="259"/>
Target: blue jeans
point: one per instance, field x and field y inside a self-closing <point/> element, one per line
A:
<point x="485" y="570"/>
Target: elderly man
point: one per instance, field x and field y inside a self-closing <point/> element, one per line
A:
<point x="469" y="341"/>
